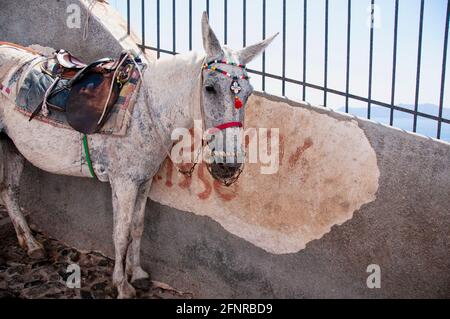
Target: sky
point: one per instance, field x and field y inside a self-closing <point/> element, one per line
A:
<point x="432" y="49"/>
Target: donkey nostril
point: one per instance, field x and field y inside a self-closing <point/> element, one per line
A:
<point x="222" y="170"/>
<point x="210" y="89"/>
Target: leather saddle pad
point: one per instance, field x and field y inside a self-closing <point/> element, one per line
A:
<point x="87" y="99"/>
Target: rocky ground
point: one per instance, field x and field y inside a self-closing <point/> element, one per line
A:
<point x="22" y="277"/>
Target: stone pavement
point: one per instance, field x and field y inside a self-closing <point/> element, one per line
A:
<point x="22" y="277"/>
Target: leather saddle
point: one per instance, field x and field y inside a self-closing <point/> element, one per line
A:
<point x="85" y="92"/>
<point x="68" y="61"/>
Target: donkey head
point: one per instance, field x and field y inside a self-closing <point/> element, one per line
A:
<point x="226" y="89"/>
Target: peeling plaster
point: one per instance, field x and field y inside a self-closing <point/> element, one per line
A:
<point x="328" y="170"/>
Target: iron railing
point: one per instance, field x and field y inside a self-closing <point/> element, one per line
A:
<point x="303" y="83"/>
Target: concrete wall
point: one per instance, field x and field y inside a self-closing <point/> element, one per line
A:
<point x="303" y="246"/>
<point x="45" y="23"/>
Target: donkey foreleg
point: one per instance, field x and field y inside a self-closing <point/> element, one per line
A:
<point x="26" y="240"/>
<point x="133" y="266"/>
<point x="124" y="195"/>
<point x="11" y="167"/>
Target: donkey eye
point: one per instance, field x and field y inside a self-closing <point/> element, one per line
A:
<point x="210" y="89"/>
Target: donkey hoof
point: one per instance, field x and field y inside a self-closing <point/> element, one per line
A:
<point x="141" y="279"/>
<point x="126" y="291"/>
<point x="139" y="274"/>
<point x="37" y="253"/>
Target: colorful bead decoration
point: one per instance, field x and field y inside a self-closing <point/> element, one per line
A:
<point x="242" y="66"/>
<point x="235" y="87"/>
<point x="216" y="69"/>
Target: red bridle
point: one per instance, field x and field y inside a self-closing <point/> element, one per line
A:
<point x="225" y="126"/>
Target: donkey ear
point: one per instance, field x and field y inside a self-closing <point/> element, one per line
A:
<point x="247" y="54"/>
<point x="210" y="43"/>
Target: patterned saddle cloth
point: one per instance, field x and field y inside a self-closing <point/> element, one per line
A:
<point x="27" y="85"/>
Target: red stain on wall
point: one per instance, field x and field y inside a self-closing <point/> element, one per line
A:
<point x="249" y="137"/>
<point x="169" y="173"/>
<point x="208" y="189"/>
<point x="282" y="139"/>
<point x="293" y="160"/>
<point x="187" y="181"/>
<point x="226" y="194"/>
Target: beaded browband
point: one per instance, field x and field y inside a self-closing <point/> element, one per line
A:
<point x="210" y="66"/>
<point x="235" y="87"/>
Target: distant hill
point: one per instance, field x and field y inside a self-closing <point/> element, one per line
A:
<point x="404" y="120"/>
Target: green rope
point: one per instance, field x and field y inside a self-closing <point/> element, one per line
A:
<point x="88" y="158"/>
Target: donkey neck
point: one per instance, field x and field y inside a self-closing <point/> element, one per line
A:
<point x="175" y="91"/>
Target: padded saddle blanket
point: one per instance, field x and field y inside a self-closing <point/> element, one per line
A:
<point x="35" y="83"/>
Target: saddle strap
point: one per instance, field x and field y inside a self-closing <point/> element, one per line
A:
<point x="85" y="70"/>
<point x="45" y="111"/>
<point x="88" y="157"/>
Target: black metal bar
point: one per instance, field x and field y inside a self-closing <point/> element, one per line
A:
<point x="325" y="88"/>
<point x="351" y="96"/>
<point x="244" y="23"/>
<point x="207" y="7"/>
<point x="325" y="76"/>
<point x="264" y="53"/>
<point x="165" y="51"/>
<point x="128" y="17"/>
<point x="158" y="28"/>
<point x="190" y="25"/>
<point x="332" y="91"/>
<point x="283" y="83"/>
<point x="225" y="22"/>
<point x="174" y="26"/>
<point x="143" y="24"/>
<point x="372" y="28"/>
<point x="394" y="62"/>
<point x="347" y="78"/>
<point x="444" y="69"/>
<point x="305" y="24"/>
<point x="419" y="64"/>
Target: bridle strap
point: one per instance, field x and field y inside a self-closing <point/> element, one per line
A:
<point x="222" y="127"/>
<point x="225" y="126"/>
<point x="211" y="67"/>
<point x="188" y="172"/>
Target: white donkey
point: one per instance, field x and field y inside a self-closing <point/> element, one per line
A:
<point x="174" y="88"/>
